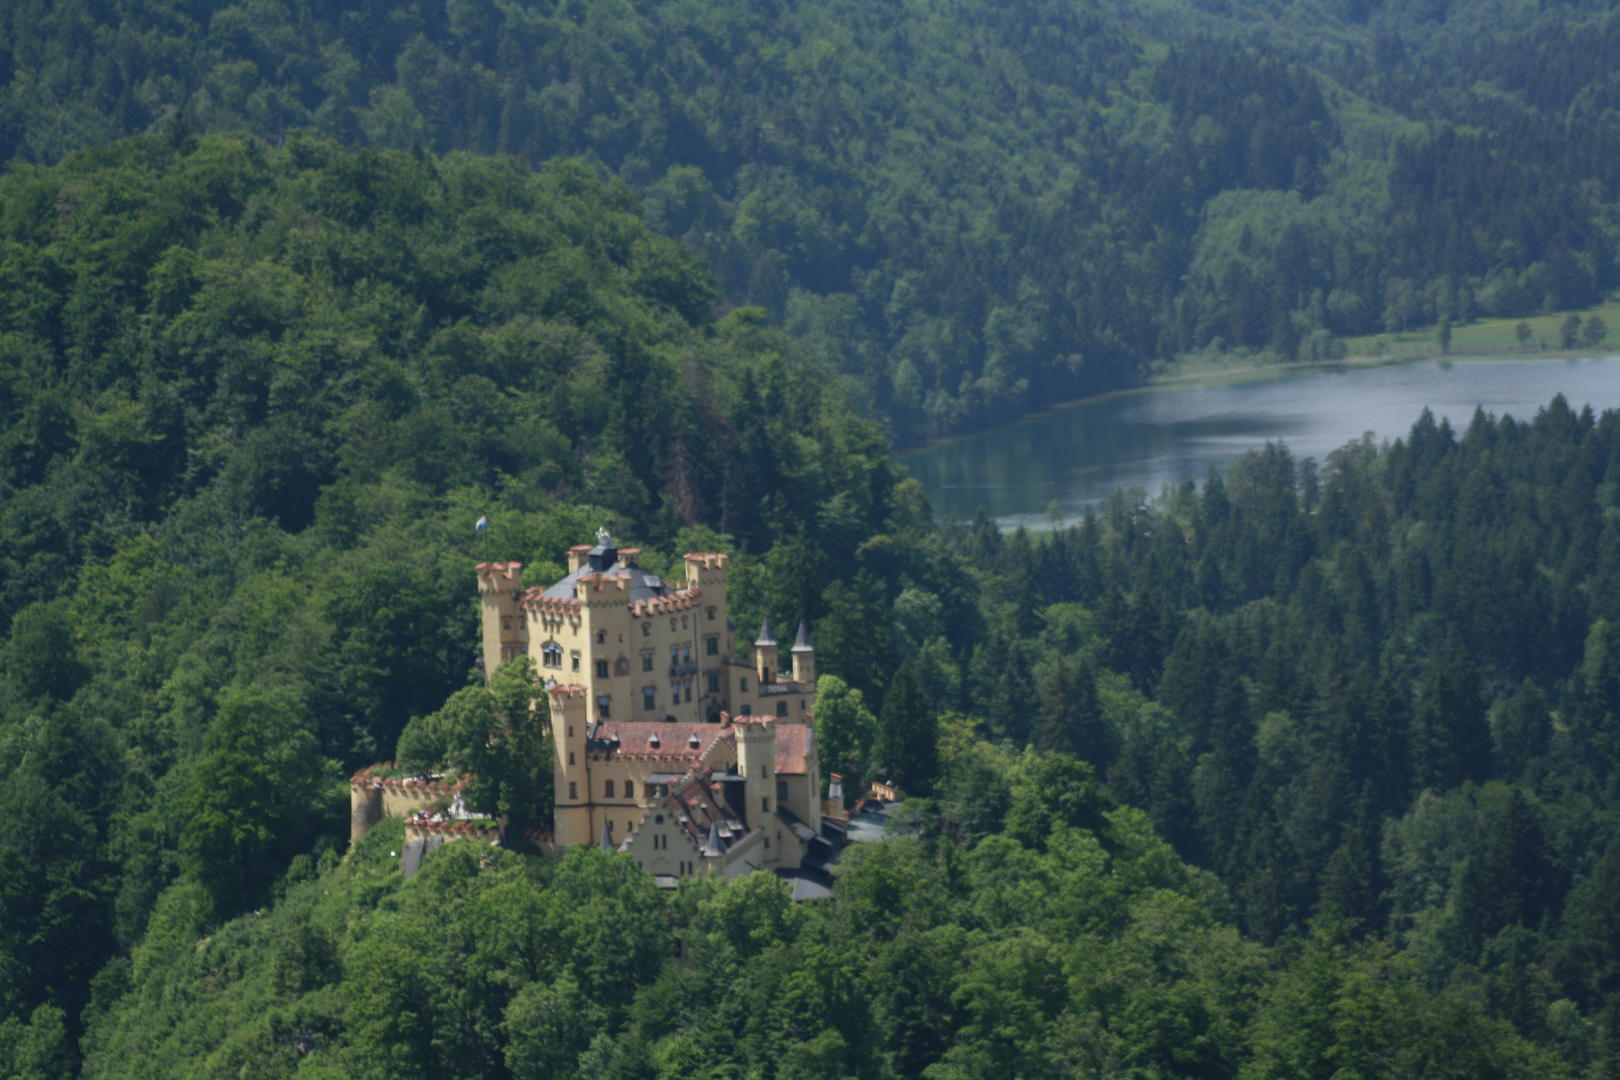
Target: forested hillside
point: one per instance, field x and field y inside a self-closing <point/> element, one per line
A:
<point x="965" y="209"/>
<point x="1308" y="765"/>
<point x="252" y="402"/>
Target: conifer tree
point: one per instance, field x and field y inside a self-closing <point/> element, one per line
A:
<point x="906" y="750"/>
<point x="1071" y="720"/>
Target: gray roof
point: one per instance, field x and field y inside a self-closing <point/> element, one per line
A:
<point x="871" y="822"/>
<point x="643" y="586"/>
<point x="808" y="884"/>
<point x="804" y="832"/>
<point x="802" y="642"/>
<point x="765" y="636"/>
<point x="715" y="847"/>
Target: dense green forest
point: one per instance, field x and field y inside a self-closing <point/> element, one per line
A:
<point x="966" y="209"/>
<point x="1309" y="770"/>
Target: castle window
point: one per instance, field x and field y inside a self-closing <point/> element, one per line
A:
<point x="573" y="790"/>
<point x="646" y="629"/>
<point x="570" y="731"/>
<point x="687" y="686"/>
<point x="765" y="803"/>
<point x="506" y="652"/>
<point x="601" y="637"/>
<point x="686" y="654"/>
<point x="602" y="709"/>
<point x="683" y="622"/>
<point x="781" y="708"/>
<point x="621" y="666"/>
<point x="551" y="655"/>
<point x="672" y="622"/>
<point x="601" y="669"/>
<point x="506" y="622"/>
<point x="742" y="684"/>
<point x="575" y="655"/>
<point x="781" y="790"/>
<point x="763" y="774"/>
<point x="714" y="683"/>
<point x="647" y="696"/>
<point x="629" y="789"/>
<point x="607" y="791"/>
<point x="747" y="709"/>
<point x="767" y="843"/>
<point x="646" y="661"/>
<point x="711" y="614"/>
<point x="570" y="757"/>
<point x="713" y="646"/>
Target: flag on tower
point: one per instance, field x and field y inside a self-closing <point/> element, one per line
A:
<point x="482" y="524"/>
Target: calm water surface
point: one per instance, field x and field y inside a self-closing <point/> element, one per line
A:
<point x="1081" y="452"/>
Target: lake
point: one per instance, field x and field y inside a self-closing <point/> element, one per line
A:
<point x="1080" y="452"/>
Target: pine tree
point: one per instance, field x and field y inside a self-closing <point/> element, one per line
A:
<point x="1071" y="720"/>
<point x="852" y="639"/>
<point x="906" y="751"/>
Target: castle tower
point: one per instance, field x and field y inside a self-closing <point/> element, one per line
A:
<point x="365" y="807"/>
<point x="764" y="653"/>
<point x="756" y="764"/>
<point x="706" y="572"/>
<point x="804" y="657"/>
<point x="570" y="772"/>
<point x="505" y="623"/>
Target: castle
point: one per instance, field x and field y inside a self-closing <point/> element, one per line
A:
<point x="666" y="744"/>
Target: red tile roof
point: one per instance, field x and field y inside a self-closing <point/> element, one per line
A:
<point x="635" y="740"/>
<point x="793" y="744"/>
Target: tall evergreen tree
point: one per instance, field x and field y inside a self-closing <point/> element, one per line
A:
<point x="1071" y="720"/>
<point x="906" y="750"/>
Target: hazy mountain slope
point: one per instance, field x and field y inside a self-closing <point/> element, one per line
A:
<point x="966" y="209"/>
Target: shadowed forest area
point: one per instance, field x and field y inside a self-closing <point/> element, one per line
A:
<point x="966" y="210"/>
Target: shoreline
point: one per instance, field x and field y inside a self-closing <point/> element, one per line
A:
<point x="1268" y="372"/>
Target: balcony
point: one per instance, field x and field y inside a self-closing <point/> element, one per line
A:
<point x="688" y="667"/>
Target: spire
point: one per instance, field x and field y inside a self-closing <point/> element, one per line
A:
<point x="607" y="836"/>
<point x="802" y="642"/>
<point x="714" y="848"/>
<point x="765" y="638"/>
